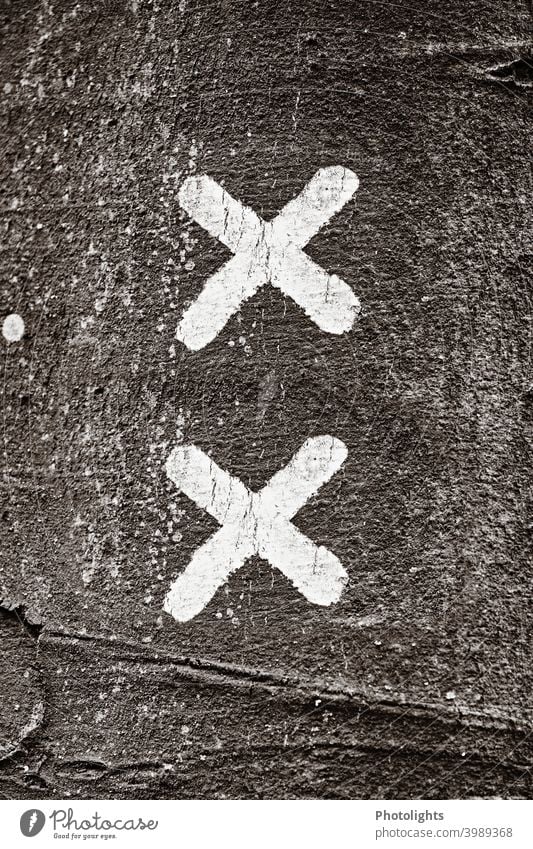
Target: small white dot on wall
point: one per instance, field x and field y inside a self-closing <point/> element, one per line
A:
<point x="13" y="327"/>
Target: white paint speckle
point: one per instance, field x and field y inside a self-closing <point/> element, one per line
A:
<point x="13" y="327"/>
<point x="87" y="575"/>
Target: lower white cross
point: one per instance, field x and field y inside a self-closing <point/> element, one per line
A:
<point x="268" y="252"/>
<point x="256" y="523"/>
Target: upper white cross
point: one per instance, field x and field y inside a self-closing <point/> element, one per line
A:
<point x="268" y="252"/>
<point x="256" y="523"/>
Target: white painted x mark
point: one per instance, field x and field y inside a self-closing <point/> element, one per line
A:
<point x="268" y="252"/>
<point x="256" y="523"/>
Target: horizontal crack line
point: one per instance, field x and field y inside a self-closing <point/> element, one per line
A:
<point x="227" y="674"/>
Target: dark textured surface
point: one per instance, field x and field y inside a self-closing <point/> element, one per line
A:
<point x="418" y="682"/>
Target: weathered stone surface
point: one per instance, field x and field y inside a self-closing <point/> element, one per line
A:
<point x="22" y="705"/>
<point x="418" y="682"/>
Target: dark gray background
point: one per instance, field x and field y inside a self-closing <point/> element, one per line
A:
<point x="418" y="682"/>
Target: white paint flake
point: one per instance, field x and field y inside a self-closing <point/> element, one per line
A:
<point x="13" y="327"/>
<point x="256" y="523"/>
<point x="268" y="252"/>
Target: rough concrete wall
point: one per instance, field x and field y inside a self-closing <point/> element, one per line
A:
<point x="418" y="682"/>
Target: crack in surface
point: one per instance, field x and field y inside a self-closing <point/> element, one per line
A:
<point x="209" y="671"/>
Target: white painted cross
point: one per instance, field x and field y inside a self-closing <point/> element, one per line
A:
<point x="268" y="252"/>
<point x="256" y="523"/>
